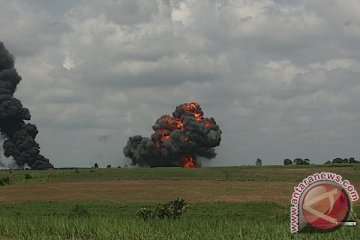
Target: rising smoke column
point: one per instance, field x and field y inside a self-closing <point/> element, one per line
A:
<point x="177" y="141"/>
<point x="19" y="136"/>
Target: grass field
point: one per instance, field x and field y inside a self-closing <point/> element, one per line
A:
<point x="225" y="203"/>
<point x="242" y="173"/>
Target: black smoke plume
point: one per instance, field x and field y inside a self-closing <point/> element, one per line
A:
<point x="177" y="141"/>
<point x="19" y="136"/>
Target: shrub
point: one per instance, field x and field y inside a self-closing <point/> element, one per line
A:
<point x="4" y="181"/>
<point x="146" y="213"/>
<point x="171" y="210"/>
<point x="28" y="176"/>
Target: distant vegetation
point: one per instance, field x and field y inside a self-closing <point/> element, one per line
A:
<point x="258" y="162"/>
<point x="297" y="161"/>
<point x="239" y="173"/>
<point x="300" y="161"/>
<point x="287" y="162"/>
<point x="343" y="160"/>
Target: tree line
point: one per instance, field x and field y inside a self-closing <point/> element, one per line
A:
<point x="300" y="161"/>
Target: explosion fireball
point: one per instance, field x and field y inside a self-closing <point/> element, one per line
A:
<point x="178" y="140"/>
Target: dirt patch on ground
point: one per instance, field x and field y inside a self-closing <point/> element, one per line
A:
<point x="152" y="191"/>
<point x="148" y="190"/>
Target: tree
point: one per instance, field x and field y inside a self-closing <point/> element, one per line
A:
<point x="108" y="166"/>
<point x="352" y="160"/>
<point x="345" y="160"/>
<point x="258" y="162"/>
<point x="287" y="162"/>
<point x="337" y="160"/>
<point x="298" y="161"/>
<point x="96" y="165"/>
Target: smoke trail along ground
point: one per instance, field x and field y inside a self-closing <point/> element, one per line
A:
<point x="177" y="141"/>
<point x="19" y="136"/>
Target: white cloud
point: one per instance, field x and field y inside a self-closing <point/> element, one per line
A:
<point x="280" y="77"/>
<point x="334" y="64"/>
<point x="68" y="62"/>
<point x="182" y="14"/>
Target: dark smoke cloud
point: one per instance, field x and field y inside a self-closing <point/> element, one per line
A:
<point x="185" y="133"/>
<point x="19" y="136"/>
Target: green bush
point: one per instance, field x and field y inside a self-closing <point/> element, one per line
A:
<point x="146" y="213"/>
<point x="4" y="181"/>
<point x="28" y="176"/>
<point x="171" y="210"/>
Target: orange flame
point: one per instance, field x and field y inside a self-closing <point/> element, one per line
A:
<point x="190" y="106"/>
<point x="208" y="123"/>
<point x="194" y="108"/>
<point x="189" y="161"/>
<point x="168" y="124"/>
<point x="164" y="134"/>
<point x="198" y="116"/>
<point x="172" y="122"/>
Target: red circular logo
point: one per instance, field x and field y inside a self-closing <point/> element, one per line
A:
<point x="325" y="206"/>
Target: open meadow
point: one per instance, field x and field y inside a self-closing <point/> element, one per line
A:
<point x="225" y="203"/>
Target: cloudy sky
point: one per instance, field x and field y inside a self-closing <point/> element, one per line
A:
<point x="281" y="77"/>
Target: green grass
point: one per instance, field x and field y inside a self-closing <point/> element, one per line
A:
<point x="113" y="220"/>
<point x="109" y="220"/>
<point x="243" y="173"/>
